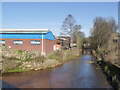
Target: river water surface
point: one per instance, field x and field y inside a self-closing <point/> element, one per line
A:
<point x="73" y="74"/>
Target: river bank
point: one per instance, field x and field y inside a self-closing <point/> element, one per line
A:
<point x="28" y="67"/>
<point x="74" y="74"/>
<point x="20" y="61"/>
<point x="112" y="73"/>
<point x="111" y="70"/>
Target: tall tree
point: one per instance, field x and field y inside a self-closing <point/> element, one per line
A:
<point x="78" y="36"/>
<point x="102" y="29"/>
<point x="68" y="26"/>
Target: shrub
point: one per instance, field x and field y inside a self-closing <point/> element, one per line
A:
<point x="55" y="55"/>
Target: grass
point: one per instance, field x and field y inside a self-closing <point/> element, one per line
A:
<point x="60" y="56"/>
<point x="10" y="58"/>
<point x="54" y="56"/>
<point x="18" y="70"/>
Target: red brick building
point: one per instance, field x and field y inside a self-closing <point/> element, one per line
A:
<point x="28" y="39"/>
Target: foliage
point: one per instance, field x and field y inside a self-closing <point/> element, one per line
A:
<point x="19" y="51"/>
<point x="17" y="70"/>
<point x="13" y="63"/>
<point x="78" y="36"/>
<point x="56" y="55"/>
<point x="103" y="34"/>
<point x="10" y="63"/>
<point x="63" y="56"/>
<point x="101" y="31"/>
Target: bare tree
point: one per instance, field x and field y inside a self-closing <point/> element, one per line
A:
<point x="68" y="26"/>
<point x="102" y="30"/>
<point x="77" y="36"/>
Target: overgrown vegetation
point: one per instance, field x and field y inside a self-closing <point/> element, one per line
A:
<point x="104" y="39"/>
<point x="64" y="55"/>
<point x="13" y="60"/>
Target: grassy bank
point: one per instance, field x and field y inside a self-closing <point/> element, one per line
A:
<point x="16" y="62"/>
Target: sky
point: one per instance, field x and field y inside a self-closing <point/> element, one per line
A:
<point x="50" y="15"/>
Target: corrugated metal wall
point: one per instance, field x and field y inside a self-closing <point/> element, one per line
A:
<point x="47" y="35"/>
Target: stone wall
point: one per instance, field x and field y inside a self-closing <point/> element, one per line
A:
<point x="112" y="73"/>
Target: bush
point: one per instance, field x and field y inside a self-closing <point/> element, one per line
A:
<point x="18" y="60"/>
<point x="19" y="51"/>
<point x="63" y="55"/>
<point x="10" y="63"/>
<point x="55" y="55"/>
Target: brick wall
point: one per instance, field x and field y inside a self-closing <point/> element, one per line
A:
<point x="48" y="45"/>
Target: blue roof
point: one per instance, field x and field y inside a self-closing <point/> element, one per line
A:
<point x="27" y="35"/>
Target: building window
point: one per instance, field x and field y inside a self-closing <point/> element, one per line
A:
<point x="2" y="41"/>
<point x="35" y="42"/>
<point x="18" y="42"/>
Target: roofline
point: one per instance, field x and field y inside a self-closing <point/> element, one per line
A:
<point x="24" y="30"/>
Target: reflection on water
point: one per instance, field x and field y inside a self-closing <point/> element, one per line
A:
<point x="6" y="85"/>
<point x="74" y="74"/>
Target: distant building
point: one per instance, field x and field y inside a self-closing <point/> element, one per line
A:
<point x="57" y="47"/>
<point x="28" y="39"/>
<point x="64" y="41"/>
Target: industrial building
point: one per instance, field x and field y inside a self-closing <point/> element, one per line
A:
<point x="28" y="39"/>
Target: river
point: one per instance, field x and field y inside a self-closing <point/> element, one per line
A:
<point x="73" y="74"/>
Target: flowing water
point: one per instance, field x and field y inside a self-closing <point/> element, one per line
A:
<point x="74" y="74"/>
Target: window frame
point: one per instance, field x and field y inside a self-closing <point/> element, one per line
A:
<point x="17" y="40"/>
<point x="2" y="41"/>
<point x="35" y="43"/>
